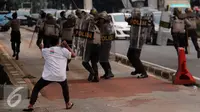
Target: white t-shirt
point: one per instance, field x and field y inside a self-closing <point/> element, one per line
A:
<point x="55" y="63"/>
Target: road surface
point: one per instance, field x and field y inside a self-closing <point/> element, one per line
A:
<point x="162" y="55"/>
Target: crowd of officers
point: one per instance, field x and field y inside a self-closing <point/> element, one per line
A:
<point x="94" y="51"/>
<point x="183" y="26"/>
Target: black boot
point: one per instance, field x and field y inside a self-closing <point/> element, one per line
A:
<point x="107" y="69"/>
<point x="198" y="54"/>
<point x="134" y="73"/>
<point x="90" y="77"/>
<point x="87" y="66"/>
<point x="96" y="78"/>
<point x="103" y="65"/>
<point x="110" y="74"/>
<point x="142" y="76"/>
<point x="17" y="56"/>
<point x="14" y="54"/>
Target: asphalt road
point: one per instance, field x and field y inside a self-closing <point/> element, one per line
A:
<point x="162" y="55"/>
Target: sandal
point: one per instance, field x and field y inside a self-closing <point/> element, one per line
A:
<point x="69" y="106"/>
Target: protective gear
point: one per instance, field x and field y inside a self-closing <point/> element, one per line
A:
<point x="68" y="28"/>
<point x="78" y="12"/>
<point x="191" y="31"/>
<point x="135" y="12"/>
<point x="107" y="30"/>
<point x="51" y="31"/>
<point x="191" y="17"/>
<point x="91" y="51"/>
<point x="93" y="11"/>
<point x="178" y="29"/>
<point x="139" y="29"/>
<point x="178" y="25"/>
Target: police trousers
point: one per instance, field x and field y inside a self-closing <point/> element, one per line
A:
<point x="104" y="57"/>
<point x="15" y="41"/>
<point x="179" y="40"/>
<point x="134" y="57"/>
<point x="104" y="51"/>
<point x="39" y="39"/>
<point x="91" y="54"/>
<point x="193" y="35"/>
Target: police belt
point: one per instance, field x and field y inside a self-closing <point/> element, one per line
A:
<point x="138" y="22"/>
<point x="84" y="34"/>
<point x="164" y="24"/>
<point x="108" y="37"/>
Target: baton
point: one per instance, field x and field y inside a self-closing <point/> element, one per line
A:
<point x="74" y="4"/>
<point x="139" y="31"/>
<point x="31" y="40"/>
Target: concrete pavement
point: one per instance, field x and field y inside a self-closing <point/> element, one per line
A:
<point x="121" y="94"/>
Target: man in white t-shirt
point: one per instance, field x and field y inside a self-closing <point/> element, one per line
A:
<point x="56" y="58"/>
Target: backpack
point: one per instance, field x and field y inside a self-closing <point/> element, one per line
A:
<point x="67" y="29"/>
<point x="192" y="24"/>
<point x="51" y="30"/>
<point x="178" y="25"/>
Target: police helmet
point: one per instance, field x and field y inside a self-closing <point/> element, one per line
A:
<point x="49" y="16"/>
<point x="93" y="11"/>
<point x="103" y="15"/>
<point x="78" y="12"/>
<point x="136" y="12"/>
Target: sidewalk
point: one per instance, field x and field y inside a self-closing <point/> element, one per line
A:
<point x="124" y="93"/>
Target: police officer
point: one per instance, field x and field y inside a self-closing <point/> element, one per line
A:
<point x="91" y="52"/>
<point x="51" y="30"/>
<point x="106" y="30"/>
<point x="178" y="29"/>
<point x="78" y="42"/>
<point x="39" y="30"/>
<point x="136" y="43"/>
<point x="67" y="29"/>
<point x="15" y="35"/>
<point x="191" y="30"/>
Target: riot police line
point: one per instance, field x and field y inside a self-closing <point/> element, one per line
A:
<point x="89" y="33"/>
<point x="183" y="26"/>
<point x="90" y="36"/>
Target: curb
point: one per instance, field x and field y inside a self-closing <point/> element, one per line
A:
<point x="14" y="72"/>
<point x="157" y="70"/>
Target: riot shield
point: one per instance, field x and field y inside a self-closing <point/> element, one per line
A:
<point x="78" y="42"/>
<point x="82" y="35"/>
<point x="164" y="32"/>
<point x="139" y="31"/>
